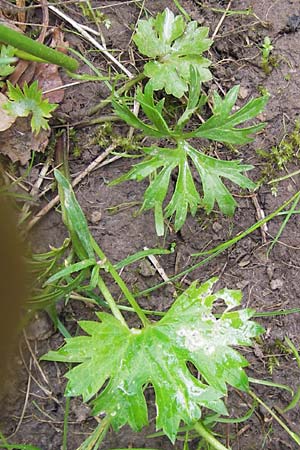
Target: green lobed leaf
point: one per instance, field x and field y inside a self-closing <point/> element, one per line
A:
<point x="195" y="99"/>
<point x="157" y="355"/>
<point x="161" y="162"/>
<point x="122" y="110"/>
<point x="29" y="101"/>
<point x="211" y="170"/>
<point x="7" y="53"/>
<point x="176" y="46"/>
<point x="221" y="126"/>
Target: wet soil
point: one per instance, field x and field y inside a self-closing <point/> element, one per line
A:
<point x="34" y="404"/>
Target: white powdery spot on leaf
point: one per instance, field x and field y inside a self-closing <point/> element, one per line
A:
<point x="193" y="341"/>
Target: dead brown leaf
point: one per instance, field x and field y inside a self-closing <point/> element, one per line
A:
<point x="18" y="141"/>
<point x="6" y="120"/>
<point x="58" y="40"/>
<point x="49" y="78"/>
<point x="24" y="73"/>
<point x="21" y="14"/>
<point x="48" y="75"/>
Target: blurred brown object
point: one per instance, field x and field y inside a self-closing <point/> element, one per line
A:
<point x="12" y="282"/>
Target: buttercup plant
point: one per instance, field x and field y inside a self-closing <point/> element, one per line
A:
<point x="160" y="162"/>
<point x="180" y="67"/>
<point x="29" y="101"/>
<point x="128" y="359"/>
<point x="189" y="357"/>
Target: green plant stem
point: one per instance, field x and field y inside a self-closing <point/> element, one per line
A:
<point x="138" y="310"/>
<point x="82" y="298"/>
<point x="221" y="248"/>
<point x="271" y="384"/>
<point x="111" y="302"/>
<point x="293" y="435"/>
<point x="94" y="440"/>
<point x="182" y="10"/>
<point x="284" y="213"/>
<point x="294" y="402"/>
<point x="283" y="225"/>
<point x="91" y="122"/>
<point x="118" y="92"/>
<point x="19" y="447"/>
<point x="293" y="349"/>
<point x="279" y="312"/>
<point x="27" y="57"/>
<point x="99" y="75"/>
<point x="65" y="431"/>
<point x="21" y="42"/>
<point x="285" y="177"/>
<point x="200" y="428"/>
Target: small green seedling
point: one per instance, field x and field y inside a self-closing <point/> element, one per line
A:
<point x="94" y="14"/>
<point x="160" y="162"/>
<point x="26" y="101"/>
<point x="267" y="62"/>
<point x="29" y="100"/>
<point x="7" y="57"/>
<point x="177" y="66"/>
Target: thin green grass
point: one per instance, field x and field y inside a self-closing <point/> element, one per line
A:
<point x="214" y="252"/>
<point x="283" y="225"/>
<point x="295" y="437"/>
<point x="5" y="445"/>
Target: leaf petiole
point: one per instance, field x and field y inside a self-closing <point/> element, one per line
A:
<point x="200" y="428"/>
<point x="111" y="302"/>
<point x="110" y="268"/>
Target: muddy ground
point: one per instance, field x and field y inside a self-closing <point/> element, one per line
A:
<point x="33" y="408"/>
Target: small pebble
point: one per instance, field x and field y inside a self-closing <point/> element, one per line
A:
<point x="82" y="413"/>
<point x="95" y="216"/>
<point x="245" y="261"/>
<point x="216" y="226"/>
<point x="270" y="272"/>
<point x="79" y="411"/>
<point x="261" y="117"/>
<point x="243" y="93"/>
<point x="276" y="284"/>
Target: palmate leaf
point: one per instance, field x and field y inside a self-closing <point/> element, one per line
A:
<point x="221" y="126"/>
<point x="160" y="162"/>
<point x="7" y="53"/>
<point x="176" y="46"/>
<point x="153" y="112"/>
<point x="29" y="101"/>
<point x="130" y="359"/>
